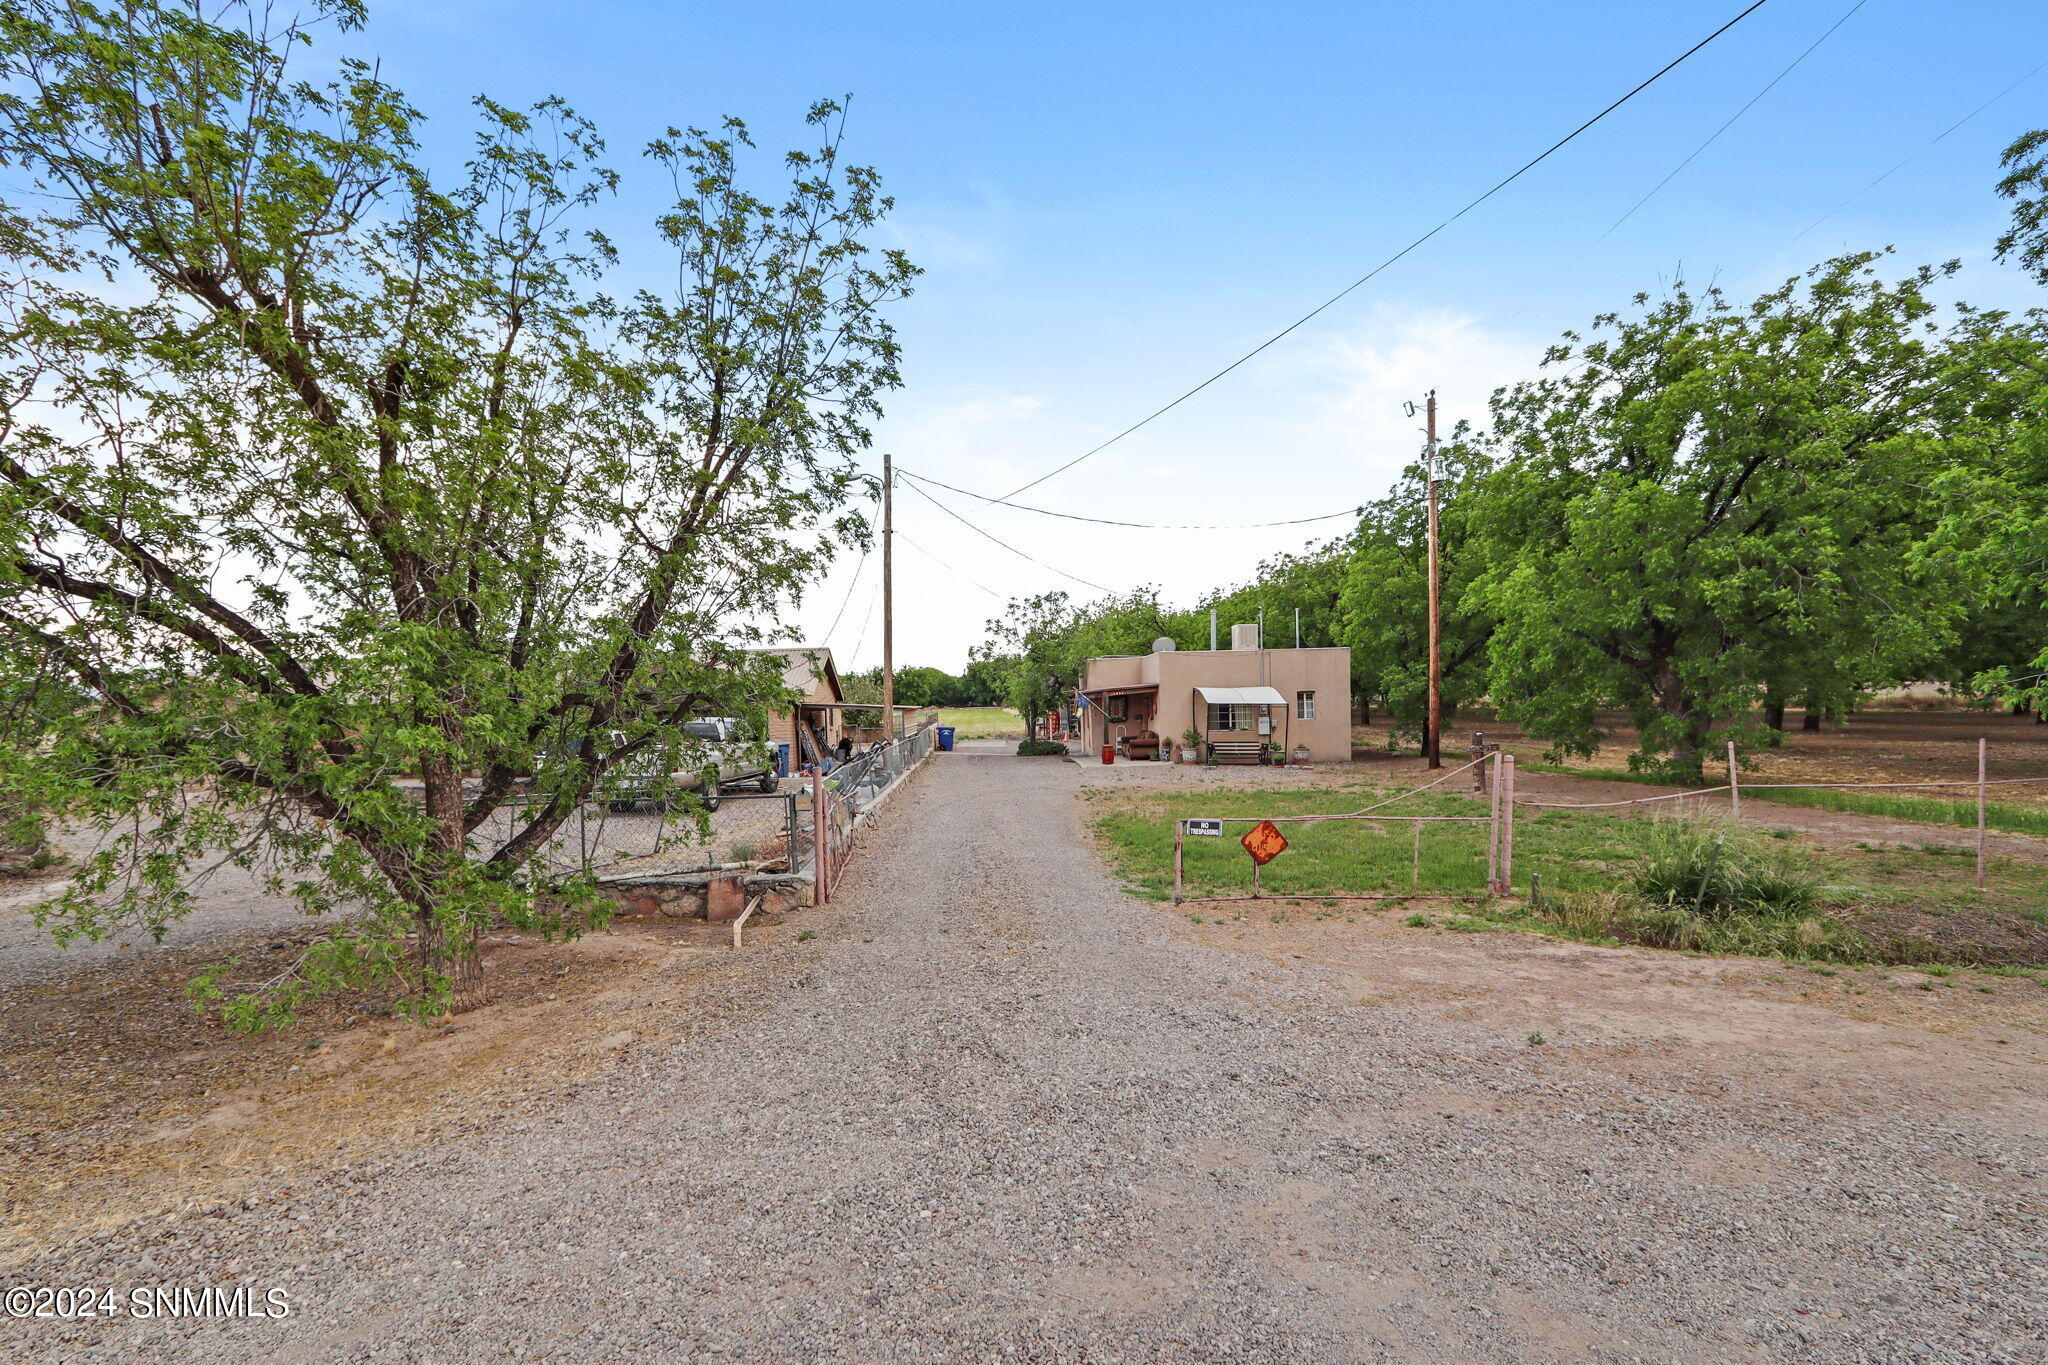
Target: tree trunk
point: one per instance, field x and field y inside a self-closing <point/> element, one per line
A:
<point x="460" y="964"/>
<point x="1688" y="754"/>
<point x="1811" y="720"/>
<point x="1774" y="719"/>
<point x="457" y="961"/>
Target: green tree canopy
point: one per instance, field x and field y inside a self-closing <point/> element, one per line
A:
<point x="1709" y="501"/>
<point x="322" y="470"/>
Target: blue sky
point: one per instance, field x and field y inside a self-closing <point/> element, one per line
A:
<point x="1111" y="202"/>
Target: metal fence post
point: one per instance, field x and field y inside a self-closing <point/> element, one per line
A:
<point x="821" y="855"/>
<point x="1734" y="785"/>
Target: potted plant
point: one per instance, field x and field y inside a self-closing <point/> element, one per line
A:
<point x="1190" y="744"/>
<point x="1301" y="753"/>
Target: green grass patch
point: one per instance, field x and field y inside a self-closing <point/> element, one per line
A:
<point x="1702" y="886"/>
<point x="983" y="722"/>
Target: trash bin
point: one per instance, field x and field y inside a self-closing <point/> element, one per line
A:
<point x="945" y="739"/>
<point x="782" y="760"/>
<point x="1108" y="754"/>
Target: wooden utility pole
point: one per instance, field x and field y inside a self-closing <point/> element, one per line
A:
<point x="889" y="596"/>
<point x="1433" y="750"/>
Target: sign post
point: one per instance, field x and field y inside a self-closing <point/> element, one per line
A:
<point x="1264" y="842"/>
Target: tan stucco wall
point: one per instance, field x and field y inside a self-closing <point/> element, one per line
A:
<point x="1326" y="672"/>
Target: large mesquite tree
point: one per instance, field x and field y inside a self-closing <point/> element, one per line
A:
<point x="1711" y="504"/>
<point x="350" y="501"/>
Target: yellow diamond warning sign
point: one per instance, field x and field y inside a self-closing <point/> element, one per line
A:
<point x="1265" y="842"/>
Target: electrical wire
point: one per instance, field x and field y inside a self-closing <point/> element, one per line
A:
<point x="866" y="621"/>
<point x="1716" y="134"/>
<point x="1141" y="525"/>
<point x="944" y="565"/>
<point x="1498" y="186"/>
<point x="1005" y="544"/>
<point x="1923" y="150"/>
<point x="833" y="629"/>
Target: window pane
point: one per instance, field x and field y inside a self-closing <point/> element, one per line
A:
<point x="1305" y="705"/>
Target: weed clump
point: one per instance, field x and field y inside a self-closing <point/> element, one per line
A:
<point x="1707" y="888"/>
<point x="1718" y="872"/>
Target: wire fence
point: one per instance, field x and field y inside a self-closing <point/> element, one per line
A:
<point x="1357" y="849"/>
<point x="842" y="796"/>
<point x="749" y="831"/>
<point x="1349" y="845"/>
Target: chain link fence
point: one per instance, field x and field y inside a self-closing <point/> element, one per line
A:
<point x="753" y="832"/>
<point x="853" y="787"/>
<point x="750" y="831"/>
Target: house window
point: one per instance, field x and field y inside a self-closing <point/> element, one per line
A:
<point x="1304" y="706"/>
<point x="1230" y="716"/>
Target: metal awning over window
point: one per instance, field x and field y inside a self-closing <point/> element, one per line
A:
<point x="1242" y="696"/>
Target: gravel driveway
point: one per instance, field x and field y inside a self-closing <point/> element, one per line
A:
<point x="996" y="1110"/>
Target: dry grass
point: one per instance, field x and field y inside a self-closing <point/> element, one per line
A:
<point x="118" y="1098"/>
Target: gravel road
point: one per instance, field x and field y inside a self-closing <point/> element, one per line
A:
<point x="996" y="1110"/>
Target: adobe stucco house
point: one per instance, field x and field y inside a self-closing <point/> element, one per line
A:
<point x="1237" y="698"/>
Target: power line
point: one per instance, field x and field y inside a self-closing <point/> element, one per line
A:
<point x="1922" y="151"/>
<point x="866" y="621"/>
<point x="1716" y="134"/>
<point x="944" y="565"/>
<point x="1526" y="167"/>
<point x="834" y="627"/>
<point x="1141" y="525"/>
<point x="1005" y="544"/>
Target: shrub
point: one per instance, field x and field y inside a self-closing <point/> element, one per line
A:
<point x="1711" y="888"/>
<point x="1041" y="748"/>
<point x="1715" y="871"/>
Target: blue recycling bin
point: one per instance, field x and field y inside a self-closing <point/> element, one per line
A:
<point x="945" y="739"/>
<point x="782" y="760"/>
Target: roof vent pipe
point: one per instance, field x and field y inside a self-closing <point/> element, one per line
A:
<point x="1212" y="628"/>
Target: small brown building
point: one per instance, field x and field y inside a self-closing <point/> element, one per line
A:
<point x="1247" y="702"/>
<point x="813" y="725"/>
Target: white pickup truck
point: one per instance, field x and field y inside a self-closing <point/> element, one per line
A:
<point x="726" y="755"/>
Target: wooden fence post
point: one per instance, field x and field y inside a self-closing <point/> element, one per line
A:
<point x="1507" y="847"/>
<point x="1980" y="813"/>
<point x="1734" y="785"/>
<point x="1179" y="830"/>
<point x="1493" y="829"/>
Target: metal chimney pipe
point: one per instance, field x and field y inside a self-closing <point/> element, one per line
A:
<point x="1212" y="628"/>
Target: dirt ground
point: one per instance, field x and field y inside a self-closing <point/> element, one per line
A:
<point x="1517" y="980"/>
<point x="1892" y="744"/>
<point x="118" y="1098"/>
<point x="992" y="1107"/>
